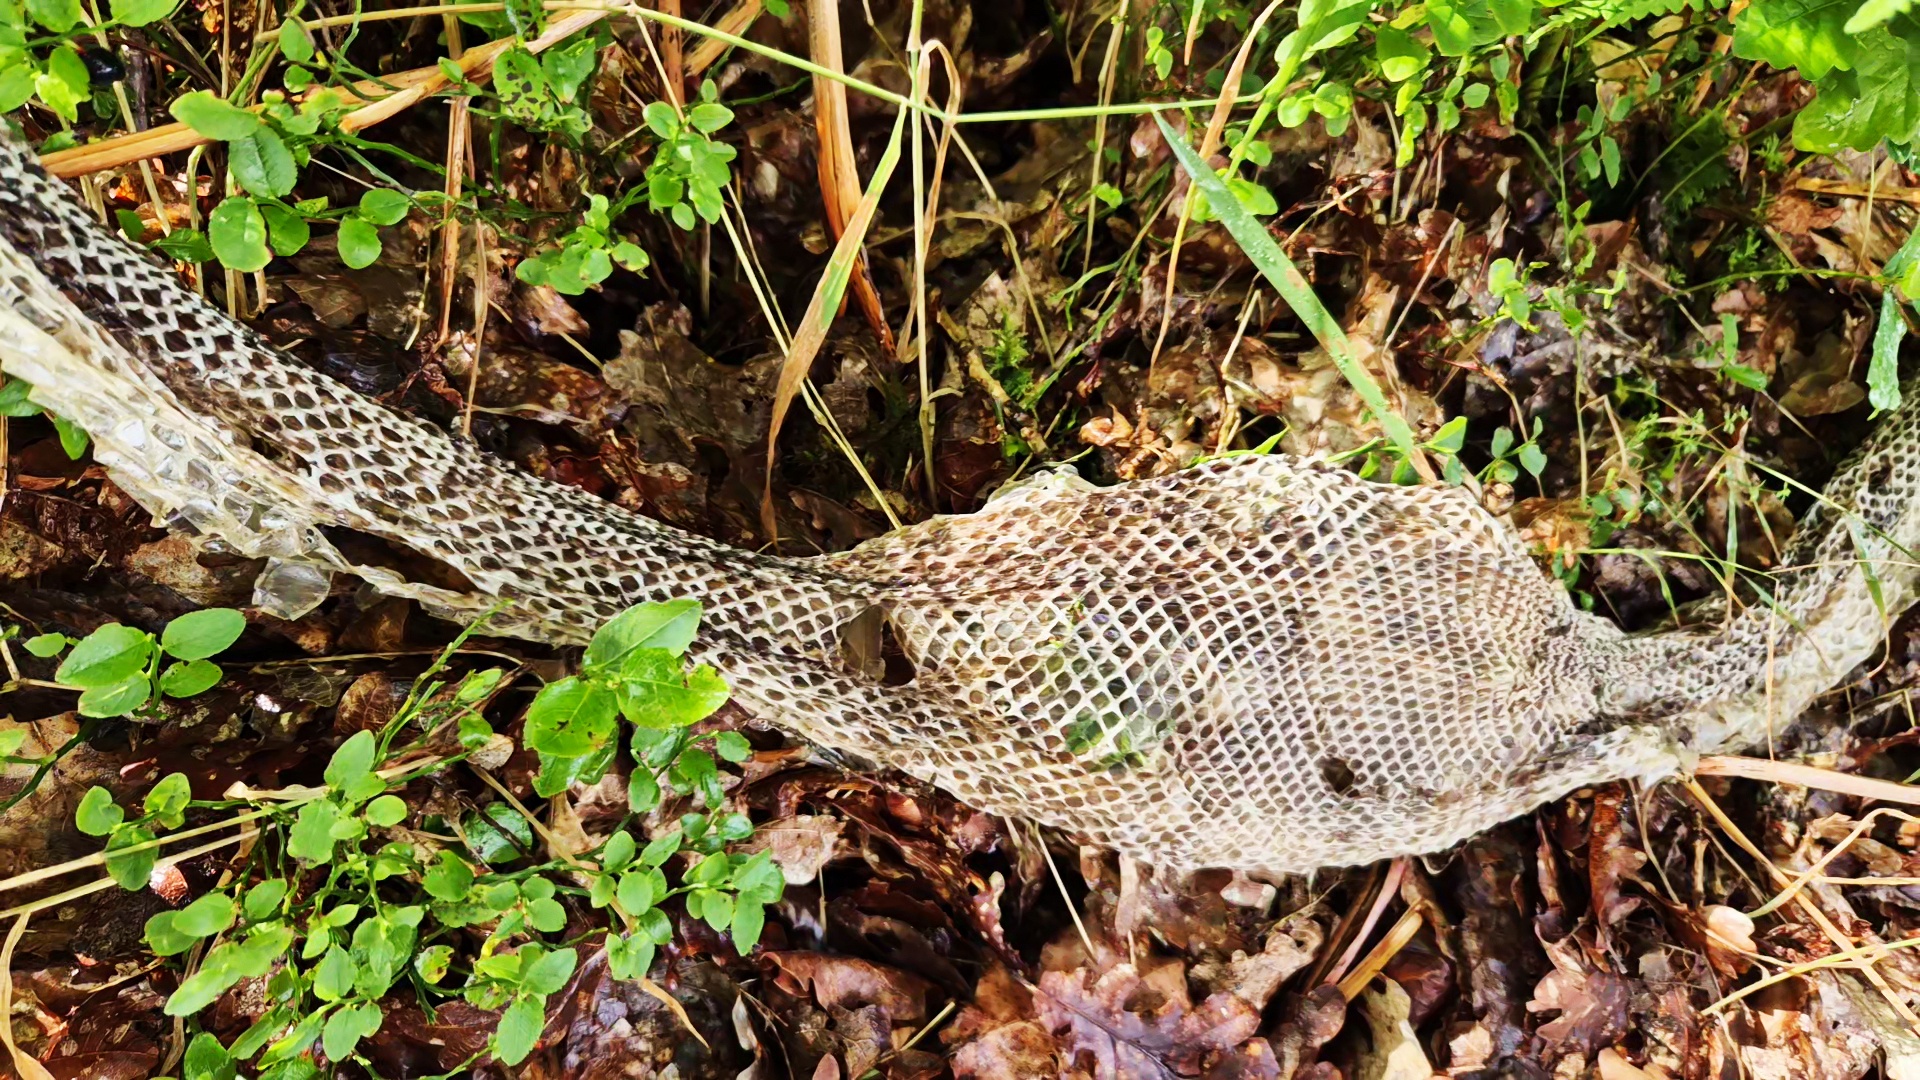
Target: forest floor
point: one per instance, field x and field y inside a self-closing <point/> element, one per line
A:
<point x="1657" y="327"/>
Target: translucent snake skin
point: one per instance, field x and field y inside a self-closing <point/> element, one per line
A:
<point x="1263" y="663"/>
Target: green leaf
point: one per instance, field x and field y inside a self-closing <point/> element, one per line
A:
<point x="97" y="813"/>
<point x="629" y="956"/>
<point x="667" y="626"/>
<point x="498" y="834"/>
<point x="519" y="1030"/>
<point x="643" y="791"/>
<point x="190" y="678"/>
<point x="384" y="206"/>
<point x="213" y="116"/>
<point x="239" y="234"/>
<point x="1875" y="13"/>
<point x="47" y="645"/>
<point x="58" y="16"/>
<point x="130" y="869"/>
<point x="433" y="962"/>
<point x="119" y="699"/>
<point x="206" y="916"/>
<point x="186" y="245"/>
<point x="732" y="746"/>
<point x="549" y="972"/>
<point x="295" y="43"/>
<point x="1293" y="288"/>
<point x="386" y="810"/>
<point x="759" y="879"/>
<point x="708" y="117"/>
<point x="311" y="838"/>
<point x="1880" y="100"/>
<point x="359" y="242"/>
<point x="264" y="898"/>
<point x="1401" y="55"/>
<point x="1883" y="370"/>
<point x="1533" y="459"/>
<point x="333" y="976"/>
<point x="1809" y="35"/>
<point x="557" y="774"/>
<point x="347" y="1027"/>
<point x="748" y="920"/>
<point x="1461" y="26"/>
<point x="449" y="878"/>
<point x="661" y="848"/>
<point x="655" y="690"/>
<point x="16" y="84"/>
<point x="635" y="891"/>
<point x="662" y="119"/>
<point x="353" y="760"/>
<point x="201" y="634"/>
<point x="140" y="12"/>
<point x="106" y="657"/>
<point x="64" y="85"/>
<point x="73" y="439"/>
<point x="570" y="718"/>
<point x="263" y="164"/>
<point x="11" y="740"/>
<point x="14" y="400"/>
<point x="619" y="850"/>
<point x="168" y="799"/>
<point x="165" y="938"/>
<point x="206" y="1059"/>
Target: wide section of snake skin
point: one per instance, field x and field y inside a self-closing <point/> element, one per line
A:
<point x="1263" y="663"/>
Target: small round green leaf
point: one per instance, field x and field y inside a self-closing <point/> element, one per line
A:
<point x="387" y="810"/>
<point x="164" y="936"/>
<point x="118" y="699"/>
<point x="519" y="1030"/>
<point x="353" y="760"/>
<point x="732" y="746"/>
<point x="47" y="645"/>
<point x="549" y="972"/>
<point x="106" y="657"/>
<point x="295" y="43"/>
<point x="206" y="916"/>
<point x="239" y="234"/>
<point x="359" y="242"/>
<point x="140" y="12"/>
<point x="384" y="206"/>
<point x="189" y="678"/>
<point x="169" y="798"/>
<point x="213" y="116"/>
<point x="97" y="813"/>
<point x="200" y="634"/>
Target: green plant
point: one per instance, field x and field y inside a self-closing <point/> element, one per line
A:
<point x="543" y="93"/>
<point x="1508" y="284"/>
<point x="342" y="901"/>
<point x="14" y="401"/>
<point x="117" y="668"/>
<point x="1862" y="58"/>
<point x="40" y="51"/>
<point x="585" y="256"/>
<point x="1506" y="453"/>
<point x="689" y="168"/>
<point x="266" y="149"/>
<point x="1899" y="279"/>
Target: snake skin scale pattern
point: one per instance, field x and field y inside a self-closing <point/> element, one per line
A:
<point x="1263" y="663"/>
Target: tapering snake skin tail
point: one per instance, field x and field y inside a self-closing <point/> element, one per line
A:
<point x="1262" y="663"/>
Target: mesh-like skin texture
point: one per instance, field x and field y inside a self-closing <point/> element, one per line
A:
<point x="1263" y="663"/>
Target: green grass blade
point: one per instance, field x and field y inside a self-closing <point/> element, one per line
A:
<point x="1293" y="288"/>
